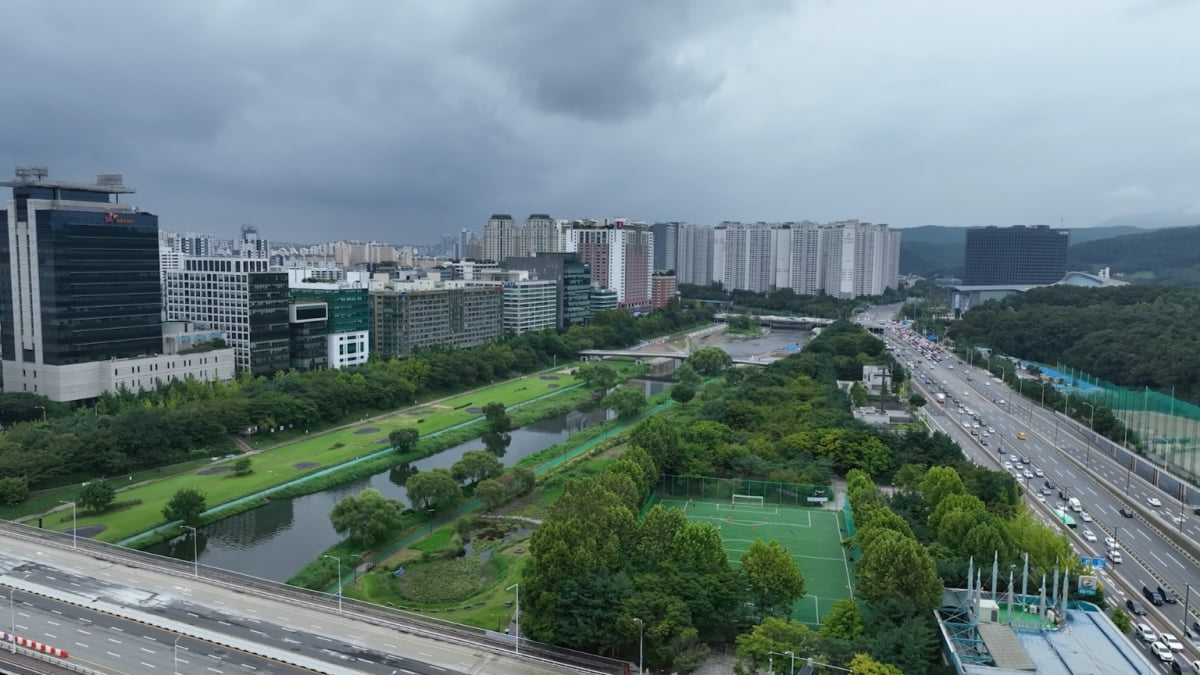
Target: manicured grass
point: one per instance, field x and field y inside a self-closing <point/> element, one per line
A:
<point x="436" y="541"/>
<point x="288" y="462"/>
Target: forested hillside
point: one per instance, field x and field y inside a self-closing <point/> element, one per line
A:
<point x="1165" y="256"/>
<point x="1136" y="336"/>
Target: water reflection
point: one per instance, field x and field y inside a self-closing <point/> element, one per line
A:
<point x="276" y="540"/>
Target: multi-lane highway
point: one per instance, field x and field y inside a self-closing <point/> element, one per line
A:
<point x="118" y="618"/>
<point x="1058" y="447"/>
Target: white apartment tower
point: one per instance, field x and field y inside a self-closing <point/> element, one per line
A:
<point x="500" y="238"/>
<point x="694" y="255"/>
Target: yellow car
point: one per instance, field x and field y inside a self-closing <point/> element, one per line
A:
<point x="1021" y="435"/>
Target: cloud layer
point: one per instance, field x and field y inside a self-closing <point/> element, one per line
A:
<point x="400" y="120"/>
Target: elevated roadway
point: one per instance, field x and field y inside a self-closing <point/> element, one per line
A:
<point x="117" y="610"/>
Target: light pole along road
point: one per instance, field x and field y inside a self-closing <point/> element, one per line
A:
<point x="1156" y="560"/>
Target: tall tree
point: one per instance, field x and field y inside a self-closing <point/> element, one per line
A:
<point x="404" y="439"/>
<point x="433" y="489"/>
<point x="97" y="495"/>
<point x="710" y="361"/>
<point x="683" y="393"/>
<point x="894" y="565"/>
<point x="476" y="465"/>
<point x="186" y="505"/>
<point x="774" y="579"/>
<point x="660" y="439"/>
<point x="367" y="519"/>
<point x="497" y="417"/>
<point x="627" y="401"/>
<point x="844" y="622"/>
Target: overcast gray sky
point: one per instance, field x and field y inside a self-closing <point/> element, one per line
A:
<point x="400" y="120"/>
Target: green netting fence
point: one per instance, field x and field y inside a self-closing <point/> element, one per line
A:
<point x="708" y="487"/>
<point x="1168" y="428"/>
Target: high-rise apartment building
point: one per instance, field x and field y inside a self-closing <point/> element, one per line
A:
<point x="663" y="289"/>
<point x="694" y="255"/>
<point x="240" y="297"/>
<point x="748" y="258"/>
<point x="251" y="245"/>
<point x="430" y="313"/>
<point x="500" y="238"/>
<point x="1026" y="255"/>
<point x="666" y="238"/>
<point x="540" y="235"/>
<point x="620" y="255"/>
<point x="80" y="299"/>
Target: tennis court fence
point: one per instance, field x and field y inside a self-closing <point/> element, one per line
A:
<point x="709" y="487"/>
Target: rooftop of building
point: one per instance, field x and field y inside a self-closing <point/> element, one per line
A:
<point x="1026" y="641"/>
<point x="38" y="176"/>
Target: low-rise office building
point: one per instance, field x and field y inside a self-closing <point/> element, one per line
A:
<point x="432" y="313"/>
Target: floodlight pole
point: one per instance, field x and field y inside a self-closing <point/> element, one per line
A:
<point x="641" y="634"/>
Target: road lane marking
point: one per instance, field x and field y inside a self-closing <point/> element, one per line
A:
<point x="147" y="637"/>
<point x="1176" y="561"/>
<point x="1160" y="560"/>
<point x="113" y="655"/>
<point x="149" y="651"/>
<point x="1144" y="535"/>
<point x="147" y="665"/>
<point x="258" y="632"/>
<point x="51" y="635"/>
<point x="80" y="644"/>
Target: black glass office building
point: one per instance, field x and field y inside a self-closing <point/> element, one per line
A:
<point x="1018" y="255"/>
<point x="79" y="279"/>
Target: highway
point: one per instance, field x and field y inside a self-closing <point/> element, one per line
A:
<point x="117" y="618"/>
<point x="1058" y="447"/>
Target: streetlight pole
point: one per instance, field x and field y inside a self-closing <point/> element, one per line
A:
<point x="517" y="588"/>
<point x="74" y="524"/>
<point x="195" y="550"/>
<point x="12" y="609"/>
<point x="1092" y="432"/>
<point x="793" y="655"/>
<point x="177" y="653"/>
<point x="43" y="409"/>
<point x="641" y="633"/>
<point x="339" y="566"/>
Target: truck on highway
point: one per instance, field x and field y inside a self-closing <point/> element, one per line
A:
<point x="1073" y="502"/>
<point x="941" y="398"/>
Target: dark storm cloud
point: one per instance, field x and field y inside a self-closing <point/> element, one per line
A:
<point x="399" y="120"/>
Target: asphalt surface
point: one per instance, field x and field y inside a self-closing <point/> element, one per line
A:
<point x="1052" y="441"/>
<point x="55" y="592"/>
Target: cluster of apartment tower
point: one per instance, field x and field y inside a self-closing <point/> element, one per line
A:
<point x="95" y="298"/>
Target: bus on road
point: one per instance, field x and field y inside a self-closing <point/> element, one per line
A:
<point x="1064" y="518"/>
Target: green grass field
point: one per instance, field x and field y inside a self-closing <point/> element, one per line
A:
<point x="307" y="455"/>
<point x="814" y="536"/>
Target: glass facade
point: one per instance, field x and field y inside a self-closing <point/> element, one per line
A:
<point x="97" y="280"/>
<point x="349" y="308"/>
<point x="1015" y="255"/>
<point x="270" y="333"/>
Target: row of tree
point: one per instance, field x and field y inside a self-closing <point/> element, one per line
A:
<point x="1134" y="336"/>
<point x="49" y="444"/>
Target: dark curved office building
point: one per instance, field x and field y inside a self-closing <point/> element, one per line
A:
<point x="1021" y="254"/>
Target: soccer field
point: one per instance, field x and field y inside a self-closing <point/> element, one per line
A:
<point x="814" y="537"/>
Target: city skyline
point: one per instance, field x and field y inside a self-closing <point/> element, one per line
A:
<point x="398" y="120"/>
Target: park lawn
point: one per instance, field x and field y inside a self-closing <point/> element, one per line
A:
<point x="290" y="461"/>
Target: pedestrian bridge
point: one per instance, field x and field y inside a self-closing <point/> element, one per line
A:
<point x="795" y="322"/>
<point x="596" y="354"/>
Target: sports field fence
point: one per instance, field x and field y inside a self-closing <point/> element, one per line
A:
<point x="709" y="487"/>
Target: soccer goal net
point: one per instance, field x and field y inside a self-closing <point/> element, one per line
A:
<point x="751" y="500"/>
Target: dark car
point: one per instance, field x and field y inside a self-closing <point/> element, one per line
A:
<point x="1166" y="597"/>
<point x="1135" y="607"/>
<point x="1062" y="494"/>
<point x="1126" y="511"/>
<point x="1152" y="597"/>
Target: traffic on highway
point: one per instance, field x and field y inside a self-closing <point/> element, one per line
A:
<point x="1109" y="510"/>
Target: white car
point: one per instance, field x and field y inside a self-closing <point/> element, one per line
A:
<point x="1146" y="633"/>
<point x="1039" y="473"/>
<point x="1089" y="535"/>
<point x="1008" y="465"/>
<point x="1027" y="473"/>
<point x="1111" y="544"/>
<point x="991" y="430"/>
<point x="1115" y="556"/>
<point x="1154" y="501"/>
<point x="1041" y="498"/>
<point x="1162" y="652"/>
<point x="1087" y="517"/>
<point x="1196" y="666"/>
<point x="1171" y="642"/>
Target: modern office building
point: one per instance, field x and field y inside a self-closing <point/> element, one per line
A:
<point x="1019" y="254"/>
<point x="603" y="299"/>
<point x="573" y="282"/>
<point x="431" y="313"/>
<point x="346" y="322"/>
<point x="666" y="239"/>
<point x="620" y="254"/>
<point x="530" y="304"/>
<point x="80" y="299"/>
<point x="240" y="297"/>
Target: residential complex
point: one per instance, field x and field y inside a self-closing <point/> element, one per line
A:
<point x="80" y="298"/>
<point x="620" y="254"/>
<point x="1019" y="254"/>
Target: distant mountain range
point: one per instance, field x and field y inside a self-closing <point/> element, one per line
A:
<point x="1145" y="247"/>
